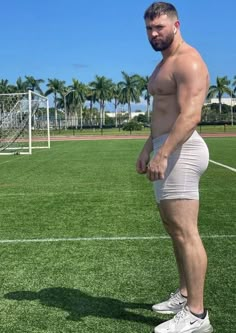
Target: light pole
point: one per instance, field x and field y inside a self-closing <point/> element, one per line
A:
<point x="65" y="111"/>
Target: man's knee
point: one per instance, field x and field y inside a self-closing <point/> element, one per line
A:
<point x="179" y="230"/>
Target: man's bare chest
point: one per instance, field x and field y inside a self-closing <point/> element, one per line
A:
<point x="162" y="81"/>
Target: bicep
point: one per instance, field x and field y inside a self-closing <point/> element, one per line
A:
<point x="191" y="84"/>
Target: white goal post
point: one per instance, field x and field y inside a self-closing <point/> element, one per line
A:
<point x="24" y="123"/>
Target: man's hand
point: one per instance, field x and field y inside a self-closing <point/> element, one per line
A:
<point x="142" y="161"/>
<point x="156" y="167"/>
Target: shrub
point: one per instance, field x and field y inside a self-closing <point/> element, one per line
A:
<point x="132" y="126"/>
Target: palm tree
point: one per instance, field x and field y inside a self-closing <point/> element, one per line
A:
<point x="101" y="89"/>
<point x="129" y="90"/>
<point x="221" y="88"/>
<point x="79" y="97"/>
<point x="34" y="84"/>
<point x="116" y="91"/>
<point x="91" y="98"/>
<point x="21" y="86"/>
<point x="143" y="87"/>
<point x="5" y="87"/>
<point x="234" y="84"/>
<point x="55" y="87"/>
<point x="233" y="92"/>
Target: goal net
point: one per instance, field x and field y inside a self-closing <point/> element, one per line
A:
<point x="24" y="123"/>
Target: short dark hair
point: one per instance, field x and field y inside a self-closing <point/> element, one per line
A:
<point x="160" y="8"/>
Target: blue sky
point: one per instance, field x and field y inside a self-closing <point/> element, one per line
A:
<point x="81" y="38"/>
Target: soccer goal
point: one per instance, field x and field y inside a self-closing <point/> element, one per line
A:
<point x="24" y="123"/>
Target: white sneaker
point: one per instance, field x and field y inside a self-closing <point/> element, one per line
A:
<point x="173" y="305"/>
<point x="185" y="322"/>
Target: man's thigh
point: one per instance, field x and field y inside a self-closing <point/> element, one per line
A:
<point x="179" y="214"/>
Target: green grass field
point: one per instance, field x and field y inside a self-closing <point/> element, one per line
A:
<point x="74" y="257"/>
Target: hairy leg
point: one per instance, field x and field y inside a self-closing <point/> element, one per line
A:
<point x="178" y="257"/>
<point x="180" y="219"/>
<point x="182" y="280"/>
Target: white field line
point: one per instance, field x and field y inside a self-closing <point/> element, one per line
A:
<point x="89" y="239"/>
<point x="223" y="165"/>
<point x="13" y="160"/>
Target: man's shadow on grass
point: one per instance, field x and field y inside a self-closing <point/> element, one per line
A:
<point x="79" y="304"/>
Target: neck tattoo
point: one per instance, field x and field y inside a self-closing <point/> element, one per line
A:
<point x="172" y="54"/>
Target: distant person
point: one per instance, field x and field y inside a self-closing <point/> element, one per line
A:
<point x="179" y="85"/>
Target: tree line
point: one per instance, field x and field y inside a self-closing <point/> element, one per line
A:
<point x="80" y="99"/>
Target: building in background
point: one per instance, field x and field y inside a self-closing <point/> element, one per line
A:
<point x="225" y="100"/>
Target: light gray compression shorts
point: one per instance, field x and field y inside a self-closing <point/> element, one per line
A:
<point x="185" y="166"/>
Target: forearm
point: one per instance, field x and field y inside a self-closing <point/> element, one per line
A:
<point x="144" y="156"/>
<point x="148" y="146"/>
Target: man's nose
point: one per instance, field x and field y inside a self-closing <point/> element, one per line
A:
<point x="154" y="33"/>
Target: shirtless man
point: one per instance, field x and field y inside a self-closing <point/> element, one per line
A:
<point x="179" y="85"/>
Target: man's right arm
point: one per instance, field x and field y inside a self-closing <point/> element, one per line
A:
<point x="144" y="156"/>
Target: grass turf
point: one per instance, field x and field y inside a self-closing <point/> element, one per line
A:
<point x="91" y="189"/>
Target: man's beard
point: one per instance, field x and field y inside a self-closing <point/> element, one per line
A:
<point x="162" y="45"/>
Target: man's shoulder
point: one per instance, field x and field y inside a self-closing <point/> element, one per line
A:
<point x="189" y="53"/>
<point x="189" y="58"/>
